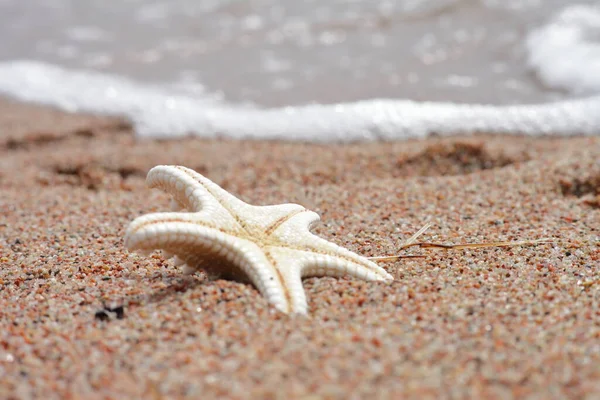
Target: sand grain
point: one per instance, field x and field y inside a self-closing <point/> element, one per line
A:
<point x="494" y="323"/>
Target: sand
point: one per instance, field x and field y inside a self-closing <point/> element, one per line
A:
<point x="522" y="322"/>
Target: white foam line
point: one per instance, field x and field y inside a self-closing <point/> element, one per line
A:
<point x="162" y="114"/>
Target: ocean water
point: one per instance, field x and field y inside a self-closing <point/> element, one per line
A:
<point x="311" y="70"/>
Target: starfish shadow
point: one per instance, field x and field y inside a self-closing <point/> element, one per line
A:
<point x="175" y="286"/>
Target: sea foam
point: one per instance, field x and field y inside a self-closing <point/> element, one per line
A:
<point x="565" y="53"/>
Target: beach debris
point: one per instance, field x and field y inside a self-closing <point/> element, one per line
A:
<point x="270" y="246"/>
<point x="119" y="311"/>
<point x="103" y="314"/>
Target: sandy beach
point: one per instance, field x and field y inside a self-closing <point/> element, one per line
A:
<point x="520" y="322"/>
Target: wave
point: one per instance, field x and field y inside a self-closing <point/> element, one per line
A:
<point x="564" y="53"/>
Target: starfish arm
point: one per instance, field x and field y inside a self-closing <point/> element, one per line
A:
<point x="148" y="225"/>
<point x="197" y="244"/>
<point x="316" y="264"/>
<point x="191" y="189"/>
<point x="325" y="257"/>
<point x="177" y="206"/>
<point x="176" y="234"/>
<point x="195" y="193"/>
<point x="186" y="192"/>
<point x="289" y="270"/>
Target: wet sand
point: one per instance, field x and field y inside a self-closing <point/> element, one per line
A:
<point x="522" y="322"/>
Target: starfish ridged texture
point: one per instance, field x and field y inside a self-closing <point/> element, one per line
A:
<point x="270" y="246"/>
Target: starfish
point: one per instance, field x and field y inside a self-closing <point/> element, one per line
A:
<point x="269" y="246"/>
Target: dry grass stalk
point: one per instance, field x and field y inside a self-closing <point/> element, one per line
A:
<point x="412" y="242"/>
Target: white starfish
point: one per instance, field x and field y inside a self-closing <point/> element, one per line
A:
<point x="270" y="246"/>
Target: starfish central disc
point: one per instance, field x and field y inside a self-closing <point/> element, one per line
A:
<point x="270" y="246"/>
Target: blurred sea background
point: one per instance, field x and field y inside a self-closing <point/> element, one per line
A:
<point x="256" y="54"/>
